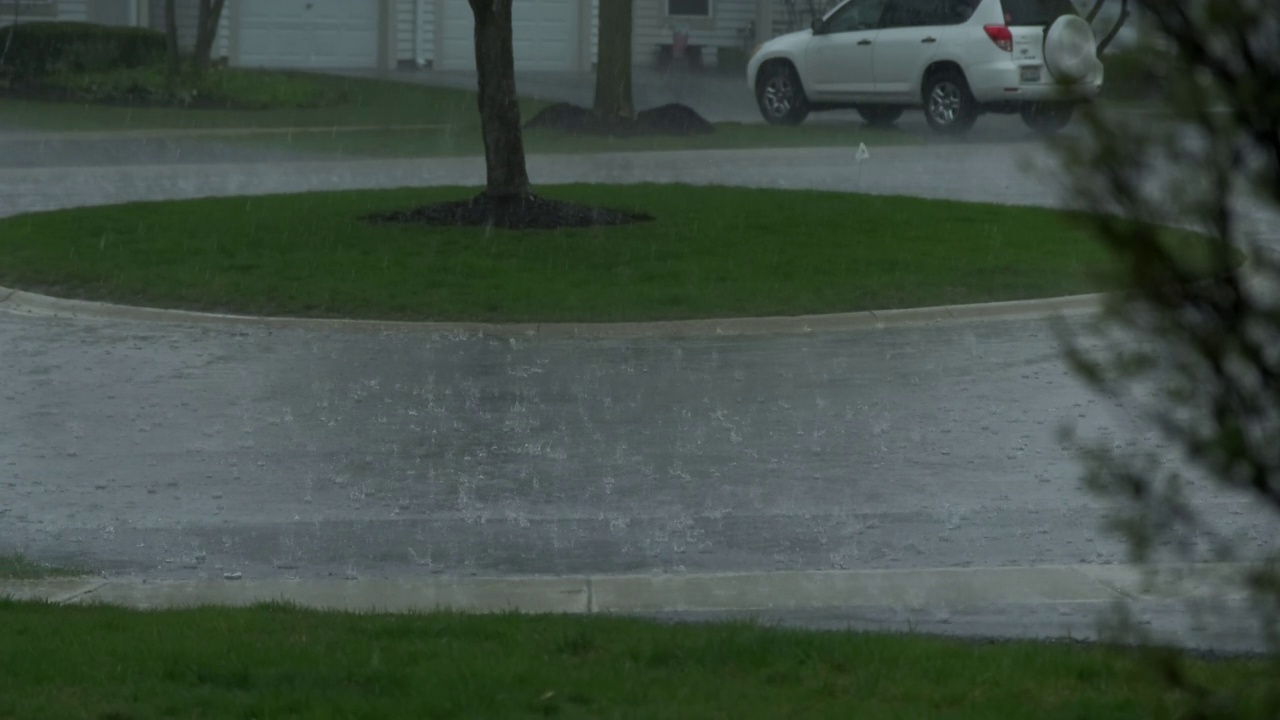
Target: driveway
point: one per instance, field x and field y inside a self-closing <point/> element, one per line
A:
<point x="167" y="451"/>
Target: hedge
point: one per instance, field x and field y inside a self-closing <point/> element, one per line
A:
<point x="39" y="49"/>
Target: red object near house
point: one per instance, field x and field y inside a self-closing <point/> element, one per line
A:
<point x="679" y="43"/>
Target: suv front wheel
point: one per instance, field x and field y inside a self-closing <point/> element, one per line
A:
<point x="780" y="96"/>
<point x="949" y="106"/>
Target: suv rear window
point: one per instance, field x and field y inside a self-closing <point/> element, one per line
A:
<point x="1036" y="12"/>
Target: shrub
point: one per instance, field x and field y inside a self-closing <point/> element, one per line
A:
<point x="1136" y="72"/>
<point x="45" y="48"/>
<point x="217" y="88"/>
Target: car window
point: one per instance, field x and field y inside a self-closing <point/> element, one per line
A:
<point x="1036" y="12"/>
<point x="914" y="13"/>
<point x="955" y="12"/>
<point x="856" y="15"/>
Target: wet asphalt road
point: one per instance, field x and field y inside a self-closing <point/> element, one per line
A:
<point x="146" y="447"/>
<point x="175" y="451"/>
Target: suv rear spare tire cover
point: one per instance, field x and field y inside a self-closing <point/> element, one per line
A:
<point x="1070" y="49"/>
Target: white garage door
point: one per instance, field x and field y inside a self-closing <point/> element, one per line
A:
<point x="309" y="33"/>
<point x="546" y="35"/>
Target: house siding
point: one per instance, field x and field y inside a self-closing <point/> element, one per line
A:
<point x="73" y="10"/>
<point x="595" y="33"/>
<point x="724" y="29"/>
<point x="64" y="10"/>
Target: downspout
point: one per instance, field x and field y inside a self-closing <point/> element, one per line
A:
<point x="764" y="22"/>
<point x="419" y="11"/>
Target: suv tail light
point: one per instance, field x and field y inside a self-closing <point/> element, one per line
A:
<point x="1001" y="36"/>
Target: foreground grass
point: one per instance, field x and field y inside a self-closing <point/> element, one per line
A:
<point x="17" y="567"/>
<point x="282" y="662"/>
<point x="711" y="252"/>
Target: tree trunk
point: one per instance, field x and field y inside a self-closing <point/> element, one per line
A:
<point x="171" y="35"/>
<point x="206" y="33"/>
<point x="613" y="71"/>
<point x="507" y="177"/>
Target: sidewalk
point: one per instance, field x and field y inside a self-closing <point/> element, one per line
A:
<point x="954" y="588"/>
<point x="1034" y="603"/>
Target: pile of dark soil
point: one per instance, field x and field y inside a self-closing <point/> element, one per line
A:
<point x="672" y="119"/>
<point x="528" y="212"/>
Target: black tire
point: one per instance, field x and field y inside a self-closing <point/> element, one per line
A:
<point x="949" y="106"/>
<point x="780" y="95"/>
<point x="1047" y="118"/>
<point x="880" y="115"/>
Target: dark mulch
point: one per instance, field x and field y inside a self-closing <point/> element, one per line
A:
<point x="671" y="119"/>
<point x="529" y="212"/>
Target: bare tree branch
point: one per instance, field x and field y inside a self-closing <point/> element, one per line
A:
<point x="1093" y="12"/>
<point x="1115" y="29"/>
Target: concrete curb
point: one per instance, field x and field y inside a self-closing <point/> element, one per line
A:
<point x="20" y="302"/>
<point x="55" y="590"/>
<point x="951" y="588"/>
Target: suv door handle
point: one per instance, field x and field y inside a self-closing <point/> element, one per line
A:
<point x="864" y="42"/>
<point x="929" y="40"/>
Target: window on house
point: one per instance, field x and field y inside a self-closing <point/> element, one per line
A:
<point x="9" y="9"/>
<point x="689" y="8"/>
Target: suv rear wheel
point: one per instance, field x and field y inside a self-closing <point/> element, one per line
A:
<point x="949" y="106"/>
<point x="780" y="96"/>
<point x="1047" y="117"/>
<point x="879" y="115"/>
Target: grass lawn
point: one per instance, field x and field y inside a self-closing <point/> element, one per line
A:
<point x="16" y="567"/>
<point x="444" y="122"/>
<point x="273" y="661"/>
<point x="711" y="252"/>
<point x="366" y="102"/>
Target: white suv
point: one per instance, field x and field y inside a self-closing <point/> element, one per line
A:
<point x="954" y="58"/>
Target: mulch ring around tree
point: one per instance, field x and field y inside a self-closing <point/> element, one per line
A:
<point x="671" y="119"/>
<point x="528" y="212"/>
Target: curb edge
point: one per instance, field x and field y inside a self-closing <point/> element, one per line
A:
<point x="21" y="302"/>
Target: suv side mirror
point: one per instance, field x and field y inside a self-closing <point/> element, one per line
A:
<point x="817" y="26"/>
